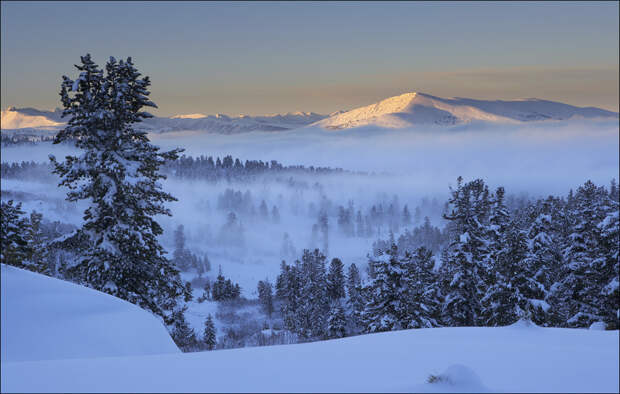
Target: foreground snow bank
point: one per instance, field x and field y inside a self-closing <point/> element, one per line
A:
<point x="45" y="318"/>
<point x="511" y="359"/>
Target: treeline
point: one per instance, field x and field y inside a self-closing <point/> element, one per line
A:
<point x="553" y="262"/>
<point x="188" y="167"/>
<point x="215" y="169"/>
<point x="23" y="139"/>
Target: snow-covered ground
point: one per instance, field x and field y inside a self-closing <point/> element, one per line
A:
<point x="45" y="318"/>
<point x="509" y="359"/>
<point x="61" y="337"/>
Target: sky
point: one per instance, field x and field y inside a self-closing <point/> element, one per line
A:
<point x="271" y="57"/>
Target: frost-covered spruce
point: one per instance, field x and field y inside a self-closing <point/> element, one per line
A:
<point x="14" y="246"/>
<point x="465" y="260"/>
<point x="265" y="296"/>
<point x="313" y="302"/>
<point x="423" y="296"/>
<point x="386" y="306"/>
<point x="335" y="280"/>
<point x="336" y="321"/>
<point x="609" y="263"/>
<point x="208" y="338"/>
<point x="578" y="291"/>
<point x="355" y="301"/>
<point x="507" y="297"/>
<point x="118" y="172"/>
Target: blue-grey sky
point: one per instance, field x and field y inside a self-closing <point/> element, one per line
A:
<point x="269" y="57"/>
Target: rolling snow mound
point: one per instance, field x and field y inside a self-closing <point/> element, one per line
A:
<point x="44" y="318"/>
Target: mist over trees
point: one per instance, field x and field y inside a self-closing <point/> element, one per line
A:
<point x="482" y="257"/>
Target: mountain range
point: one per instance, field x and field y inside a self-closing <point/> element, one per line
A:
<point x="406" y="110"/>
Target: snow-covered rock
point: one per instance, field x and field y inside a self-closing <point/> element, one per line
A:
<point x="412" y="109"/>
<point x="45" y="318"/>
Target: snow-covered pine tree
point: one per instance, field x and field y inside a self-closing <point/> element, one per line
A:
<point x="291" y="295"/>
<point x="608" y="263"/>
<point x="181" y="257"/>
<point x="355" y="300"/>
<point x="577" y="293"/>
<point x="15" y="248"/>
<point x="336" y="321"/>
<point x="313" y="303"/>
<point x="543" y="261"/>
<point x="335" y="280"/>
<point x="386" y="306"/>
<point x="507" y="297"/>
<point x="182" y="334"/>
<point x="37" y="244"/>
<point x="265" y="296"/>
<point x="208" y="338"/>
<point x="464" y="261"/>
<point x="423" y="297"/>
<point x="119" y="172"/>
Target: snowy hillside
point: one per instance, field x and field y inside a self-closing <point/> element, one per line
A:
<point x="509" y="359"/>
<point x="45" y="318"/>
<point x="20" y="118"/>
<point x="35" y="120"/>
<point x="411" y="109"/>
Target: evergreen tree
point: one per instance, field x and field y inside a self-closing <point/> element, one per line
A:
<point x="335" y="280"/>
<point x="336" y="321"/>
<point x="15" y="248"/>
<point x="543" y="261"/>
<point x="609" y="261"/>
<point x="507" y="297"/>
<point x="422" y="296"/>
<point x="324" y="228"/>
<point x="208" y="338"/>
<point x="119" y="173"/>
<point x="465" y="259"/>
<point x="386" y="306"/>
<point x="37" y="240"/>
<point x="182" y="334"/>
<point x="577" y="291"/>
<point x="313" y="302"/>
<point x="181" y="257"/>
<point x="406" y="216"/>
<point x="265" y="296"/>
<point x="356" y="301"/>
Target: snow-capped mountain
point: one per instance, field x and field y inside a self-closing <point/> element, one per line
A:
<point x="21" y="118"/>
<point x="411" y="109"/>
<point x="31" y="120"/>
<point x="406" y="110"/>
<point x="224" y="124"/>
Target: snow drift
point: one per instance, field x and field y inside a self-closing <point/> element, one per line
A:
<point x="466" y="359"/>
<point x="45" y="318"/>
